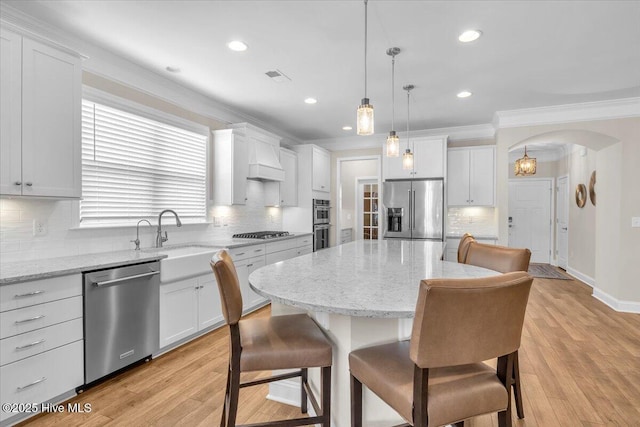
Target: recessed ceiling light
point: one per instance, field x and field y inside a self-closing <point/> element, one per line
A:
<point x="172" y="69"/>
<point x="464" y="94"/>
<point x="347" y="128"/>
<point x="237" y="46"/>
<point x="310" y="101"/>
<point x="469" y="36"/>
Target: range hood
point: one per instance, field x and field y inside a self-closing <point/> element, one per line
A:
<point x="264" y="163"/>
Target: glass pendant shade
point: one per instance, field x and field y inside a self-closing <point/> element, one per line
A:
<point x="365" y="118"/>
<point x="393" y="144"/>
<point x="407" y="160"/>
<point x="526" y="165"/>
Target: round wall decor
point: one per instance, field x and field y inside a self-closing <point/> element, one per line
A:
<point x="592" y="188"/>
<point x="581" y="195"/>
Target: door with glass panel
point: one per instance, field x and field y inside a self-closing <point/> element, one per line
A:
<point x="368" y="205"/>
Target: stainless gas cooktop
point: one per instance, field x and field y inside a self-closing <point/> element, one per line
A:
<point x="261" y="235"/>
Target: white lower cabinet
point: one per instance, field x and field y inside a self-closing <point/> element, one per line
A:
<point x="187" y="307"/>
<point x="41" y="342"/>
<point x="244" y="267"/>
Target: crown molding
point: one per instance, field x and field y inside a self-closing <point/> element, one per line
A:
<point x="458" y="133"/>
<point x="105" y="63"/>
<point x="587" y="111"/>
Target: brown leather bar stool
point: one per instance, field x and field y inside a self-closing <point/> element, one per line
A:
<point x="504" y="260"/>
<point x="264" y="344"/>
<point x="438" y="377"/>
<point x="463" y="247"/>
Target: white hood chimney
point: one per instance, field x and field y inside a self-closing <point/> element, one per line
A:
<point x="264" y="153"/>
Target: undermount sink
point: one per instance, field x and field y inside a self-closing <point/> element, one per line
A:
<point x="184" y="261"/>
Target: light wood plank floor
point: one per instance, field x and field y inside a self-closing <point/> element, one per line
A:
<point x="579" y="361"/>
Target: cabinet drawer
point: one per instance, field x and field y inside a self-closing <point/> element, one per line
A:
<point x="42" y="377"/>
<point x="281" y="255"/>
<point x="304" y="241"/>
<point x="245" y="252"/>
<point x="31" y="343"/>
<point x="27" y="319"/>
<point x="305" y="250"/>
<point x="24" y="294"/>
<point x="281" y="245"/>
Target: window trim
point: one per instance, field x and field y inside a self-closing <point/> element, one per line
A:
<point x="110" y="100"/>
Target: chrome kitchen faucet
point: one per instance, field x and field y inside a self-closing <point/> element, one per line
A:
<point x="160" y="238"/>
<point x="137" y="241"/>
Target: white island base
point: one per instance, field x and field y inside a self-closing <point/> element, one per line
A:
<point x="347" y="333"/>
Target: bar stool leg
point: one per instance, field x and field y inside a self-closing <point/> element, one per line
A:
<point x="517" y="389"/>
<point x="303" y="390"/>
<point x="326" y="396"/>
<point x="356" y="402"/>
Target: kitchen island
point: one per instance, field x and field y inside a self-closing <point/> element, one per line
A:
<point x="361" y="293"/>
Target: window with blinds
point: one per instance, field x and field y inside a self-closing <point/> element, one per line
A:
<point x="134" y="167"/>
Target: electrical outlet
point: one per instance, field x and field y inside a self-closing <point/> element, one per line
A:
<point x="635" y="221"/>
<point x="224" y="221"/>
<point x="39" y="228"/>
<point x="216" y="221"/>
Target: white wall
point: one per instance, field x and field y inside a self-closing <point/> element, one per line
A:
<point x="350" y="171"/>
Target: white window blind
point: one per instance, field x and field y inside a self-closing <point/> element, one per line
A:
<point x="134" y="167"/>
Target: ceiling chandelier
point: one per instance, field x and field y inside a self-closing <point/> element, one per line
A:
<point x="407" y="157"/>
<point x="526" y="165"/>
<point x="365" y="110"/>
<point x="393" y="142"/>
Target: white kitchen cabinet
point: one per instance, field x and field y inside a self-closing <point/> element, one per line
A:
<point x="230" y="153"/>
<point x="429" y="159"/>
<point x="41" y="341"/>
<point x="40" y="144"/>
<point x="346" y="235"/>
<point x="321" y="170"/>
<point x="284" y="193"/>
<point x="471" y="176"/>
<point x="187" y="307"/>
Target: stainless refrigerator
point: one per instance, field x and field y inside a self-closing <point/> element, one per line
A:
<point x="413" y="209"/>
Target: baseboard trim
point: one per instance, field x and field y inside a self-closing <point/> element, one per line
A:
<point x="616" y="304"/>
<point x="288" y="392"/>
<point x="582" y="277"/>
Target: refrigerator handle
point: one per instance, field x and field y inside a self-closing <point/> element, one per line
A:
<point x="413" y="216"/>
<point x="410" y="224"/>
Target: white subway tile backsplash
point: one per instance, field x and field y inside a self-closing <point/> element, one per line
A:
<point x="475" y="220"/>
<point x="18" y="243"/>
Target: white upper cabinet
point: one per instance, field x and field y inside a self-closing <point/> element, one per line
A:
<point x="321" y="170"/>
<point x="429" y="158"/>
<point x="471" y="176"/>
<point x="41" y="135"/>
<point x="284" y="193"/>
<point x="230" y="167"/>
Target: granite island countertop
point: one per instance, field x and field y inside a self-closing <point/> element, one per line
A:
<point x="363" y="278"/>
<point x="22" y="271"/>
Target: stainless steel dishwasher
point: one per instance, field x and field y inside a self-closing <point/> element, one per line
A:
<point x="121" y="317"/>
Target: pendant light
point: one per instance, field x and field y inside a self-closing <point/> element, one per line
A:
<point x="407" y="157"/>
<point x="525" y="165"/>
<point x="393" y="142"/>
<point x="365" y="110"/>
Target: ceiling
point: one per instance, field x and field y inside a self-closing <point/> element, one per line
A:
<point x="531" y="54"/>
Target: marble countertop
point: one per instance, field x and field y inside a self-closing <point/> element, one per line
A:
<point x="362" y="278"/>
<point x="22" y="271"/>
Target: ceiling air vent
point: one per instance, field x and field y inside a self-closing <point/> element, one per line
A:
<point x="278" y="76"/>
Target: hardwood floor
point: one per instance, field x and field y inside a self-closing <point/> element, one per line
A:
<point x="579" y="364"/>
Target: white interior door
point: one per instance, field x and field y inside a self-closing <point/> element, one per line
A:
<point x="562" y="221"/>
<point x="530" y="217"/>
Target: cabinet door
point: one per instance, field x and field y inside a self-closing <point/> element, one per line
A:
<point x="254" y="298"/>
<point x="242" y="270"/>
<point x="51" y="100"/>
<point x="209" y="308"/>
<point x="428" y="160"/>
<point x="240" y="171"/>
<point x="321" y="170"/>
<point x="392" y="167"/>
<point x="10" y="113"/>
<point x="178" y="311"/>
<point x="289" y="188"/>
<point x="482" y="177"/>
<point x="458" y="177"/>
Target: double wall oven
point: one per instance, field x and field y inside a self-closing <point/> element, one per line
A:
<point x="321" y="210"/>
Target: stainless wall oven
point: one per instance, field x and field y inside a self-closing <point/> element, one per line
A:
<point x="321" y="211"/>
<point x="321" y="218"/>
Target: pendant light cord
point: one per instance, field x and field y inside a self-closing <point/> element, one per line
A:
<point x="393" y="96"/>
<point x="365" y="47"/>
<point x="408" y="116"/>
